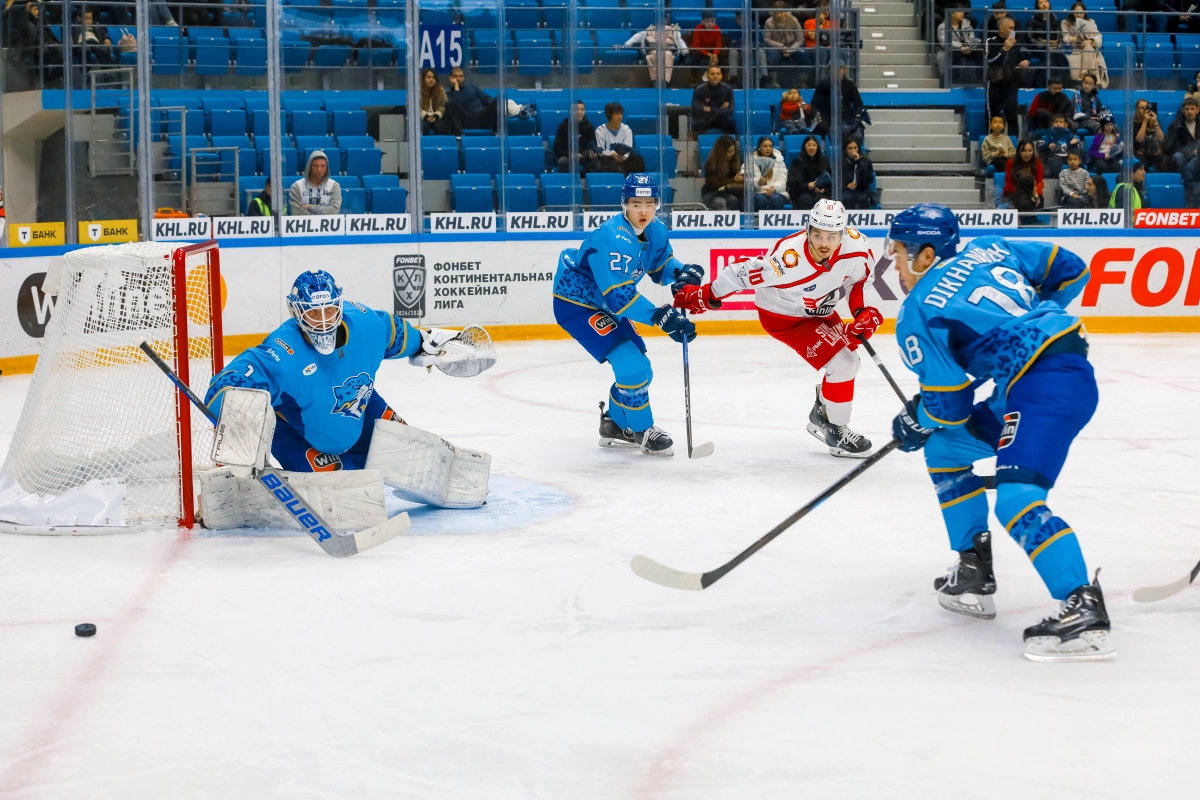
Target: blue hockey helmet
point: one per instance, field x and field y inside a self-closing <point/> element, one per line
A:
<point x="640" y="184"/>
<point x="924" y="224"/>
<point x="316" y="303"/>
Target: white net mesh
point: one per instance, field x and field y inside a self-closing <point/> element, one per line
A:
<point x="97" y="408"/>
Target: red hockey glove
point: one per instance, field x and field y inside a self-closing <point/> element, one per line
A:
<point x="864" y="324"/>
<point x="696" y="299"/>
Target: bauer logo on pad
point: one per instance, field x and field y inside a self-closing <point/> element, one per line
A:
<point x="1007" y="436"/>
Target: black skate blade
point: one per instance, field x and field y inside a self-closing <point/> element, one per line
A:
<point x="983" y="607"/>
<point x="667" y="453"/>
<point x="618" y="444"/>
<point x="840" y="453"/>
<point x="702" y="451"/>
<point x="1088" y="646"/>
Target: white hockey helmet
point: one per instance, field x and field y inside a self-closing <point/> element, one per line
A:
<point x="827" y="215"/>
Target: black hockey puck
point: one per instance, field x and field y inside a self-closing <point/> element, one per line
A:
<point x="85" y="629"/>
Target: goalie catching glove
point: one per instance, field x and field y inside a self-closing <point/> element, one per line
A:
<point x="459" y="354"/>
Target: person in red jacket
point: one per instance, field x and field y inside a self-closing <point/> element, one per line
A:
<point x="1023" y="184"/>
<point x="706" y="44"/>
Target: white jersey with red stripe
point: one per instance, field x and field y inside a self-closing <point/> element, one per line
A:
<point x="788" y="281"/>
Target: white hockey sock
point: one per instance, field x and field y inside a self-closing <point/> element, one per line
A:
<point x="838" y="399"/>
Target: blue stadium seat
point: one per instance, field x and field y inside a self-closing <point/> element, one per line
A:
<point x="526" y="155"/>
<point x="1166" y="189"/>
<point x="535" y="53"/>
<point x="603" y="14"/>
<point x="294" y="55"/>
<point x="307" y="123"/>
<point x="227" y="122"/>
<point x="177" y="150"/>
<point x="390" y="13"/>
<point x="354" y="200"/>
<point x="360" y="161"/>
<point x="554" y="14"/>
<point x="174" y="120"/>
<point x="376" y="57"/>
<point x="760" y="122"/>
<point x="478" y="14"/>
<point x="347" y="142"/>
<point x="255" y="101"/>
<point x="209" y="103"/>
<point x="471" y="193"/>
<point x="556" y="190"/>
<point x="648" y="147"/>
<point x="520" y="193"/>
<point x="642" y="13"/>
<point x="481" y="155"/>
<point x="705" y="144"/>
<point x="289" y="160"/>
<point x="549" y="119"/>
<point x="604" y="188"/>
<point x="247" y="157"/>
<point x="331" y="56"/>
<point x="212" y="56"/>
<point x="585" y="53"/>
<point x="349" y="123"/>
<point x="388" y="181"/>
<point x="1113" y="48"/>
<point x="436" y="13"/>
<point x="608" y="41"/>
<point x="168" y="55"/>
<point x="1189" y="57"/>
<point x="388" y="199"/>
<point x="521" y="14"/>
<point x="307" y="144"/>
<point x="487" y="51"/>
<point x="301" y="104"/>
<point x="260" y="121"/>
<point x="249" y="55"/>
<point x="439" y="157"/>
<point x="350" y="181"/>
<point x="348" y="9"/>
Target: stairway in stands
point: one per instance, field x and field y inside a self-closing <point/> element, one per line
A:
<point x="920" y="157"/>
<point x="893" y="54"/>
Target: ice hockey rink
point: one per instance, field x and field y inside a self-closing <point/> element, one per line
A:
<point x="509" y="651"/>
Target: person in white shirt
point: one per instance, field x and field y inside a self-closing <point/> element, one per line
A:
<point x="768" y="174"/>
<point x="614" y="143"/>
<point x="647" y="41"/>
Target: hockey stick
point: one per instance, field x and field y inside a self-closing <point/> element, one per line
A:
<point x="1152" y="594"/>
<point x="655" y="572"/>
<point x="706" y="449"/>
<point x="309" y="520"/>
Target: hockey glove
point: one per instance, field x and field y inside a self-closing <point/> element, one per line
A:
<point x="688" y="275"/>
<point x="674" y="324"/>
<point x="866" y="321"/>
<point x="908" y="429"/>
<point x="696" y="299"/>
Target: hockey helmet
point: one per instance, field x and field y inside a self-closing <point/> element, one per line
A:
<point x="827" y="215"/>
<point x="642" y="185"/>
<point x="925" y="224"/>
<point x="316" y="304"/>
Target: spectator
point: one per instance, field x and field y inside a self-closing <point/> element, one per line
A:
<point x="316" y="193"/>
<point x="1088" y="106"/>
<point x="1149" y="18"/>
<point x="260" y="206"/>
<point x="30" y="35"/>
<point x="809" y="179"/>
<point x="956" y="39"/>
<point x="1072" y="183"/>
<point x="991" y="27"/>
<point x="1023" y="179"/>
<point x="614" y="144"/>
<point x="1007" y="72"/>
<point x="647" y="42"/>
<point x="586" y="154"/>
<point x="1193" y="89"/>
<point x="93" y="39"/>
<point x="160" y="14"/>
<point x="768" y="173"/>
<point x="1058" y="142"/>
<point x="433" y="106"/>
<point x="195" y="14"/>
<point x="857" y="175"/>
<point x="1081" y="35"/>
<point x="853" y="112"/>
<point x="468" y="106"/>
<point x="1043" y="41"/>
<point x="1148" y="135"/>
<point x="706" y="42"/>
<point x="1098" y="191"/>
<point x="1181" y="137"/>
<point x="1107" y="150"/>
<point x="782" y="35"/>
<point x="794" y="116"/>
<point x="1186" y="19"/>
<point x="724" y="181"/>
<point x="1049" y="104"/>
<point x="997" y="147"/>
<point x="712" y="104"/>
<point x="1140" y="198"/>
<point x="821" y="21"/>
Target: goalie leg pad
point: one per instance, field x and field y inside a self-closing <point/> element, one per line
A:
<point x="424" y="468"/>
<point x="245" y="429"/>
<point x="348" y="500"/>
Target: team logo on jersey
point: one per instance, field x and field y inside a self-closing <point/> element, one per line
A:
<point x="350" y="399"/>
<point x="1012" y="421"/>
<point x="790" y="258"/>
<point x="284" y="345"/>
<point x="310" y="369"/>
<point x="602" y="323"/>
<point x="810" y="288"/>
<point x="323" y="462"/>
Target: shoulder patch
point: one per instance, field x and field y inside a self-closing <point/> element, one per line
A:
<point x="363" y="309"/>
<point x="285" y="346"/>
<point x="310" y="369"/>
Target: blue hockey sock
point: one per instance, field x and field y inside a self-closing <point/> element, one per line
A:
<point x="1050" y="543"/>
<point x="964" y="503"/>
<point x="629" y="396"/>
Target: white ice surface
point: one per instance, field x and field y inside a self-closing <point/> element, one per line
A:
<point x="509" y="652"/>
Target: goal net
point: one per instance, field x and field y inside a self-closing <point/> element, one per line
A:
<point x="105" y="441"/>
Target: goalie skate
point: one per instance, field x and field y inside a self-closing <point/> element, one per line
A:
<point x="1081" y="630"/>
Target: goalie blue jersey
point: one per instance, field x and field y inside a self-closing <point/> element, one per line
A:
<point x="322" y="397"/>
<point x="986" y="313"/>
<point x="603" y="273"/>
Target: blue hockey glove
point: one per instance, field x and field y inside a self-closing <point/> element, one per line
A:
<point x="674" y="324"/>
<point x="688" y="275"/>
<point x="907" y="428"/>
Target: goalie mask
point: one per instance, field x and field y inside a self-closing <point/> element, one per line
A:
<point x="316" y="304"/>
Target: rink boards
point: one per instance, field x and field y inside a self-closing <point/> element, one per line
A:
<point x="1140" y="282"/>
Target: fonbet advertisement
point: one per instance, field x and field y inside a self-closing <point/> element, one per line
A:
<point x="511" y="283"/>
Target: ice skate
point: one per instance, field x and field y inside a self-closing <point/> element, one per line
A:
<point x="1080" y="632"/>
<point x="840" y="440"/>
<point x="611" y="434"/>
<point x="969" y="585"/>
<point x="654" y="441"/>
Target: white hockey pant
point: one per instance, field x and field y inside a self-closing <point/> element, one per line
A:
<point x="837" y="389"/>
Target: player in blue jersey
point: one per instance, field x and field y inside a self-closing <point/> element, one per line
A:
<point x="996" y="312"/>
<point x="596" y="301"/>
<point x="319" y="369"/>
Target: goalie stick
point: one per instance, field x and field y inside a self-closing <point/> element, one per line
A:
<point x="663" y="575"/>
<point x="1152" y="594"/>
<point x="307" y="517"/>
<point x="706" y="449"/>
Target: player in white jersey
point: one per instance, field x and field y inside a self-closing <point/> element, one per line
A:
<point x="797" y="286"/>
